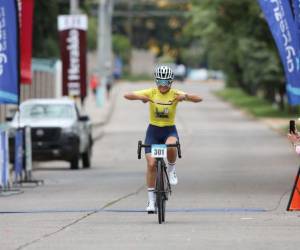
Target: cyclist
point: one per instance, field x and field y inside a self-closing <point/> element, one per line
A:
<point x="163" y="100"/>
<point x="295" y="140"/>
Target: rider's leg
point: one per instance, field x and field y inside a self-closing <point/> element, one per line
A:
<point x="150" y="178"/>
<point x="172" y="154"/>
<point x="151" y="171"/>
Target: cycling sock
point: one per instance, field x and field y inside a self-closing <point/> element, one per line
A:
<point x="171" y="166"/>
<point x="151" y="194"/>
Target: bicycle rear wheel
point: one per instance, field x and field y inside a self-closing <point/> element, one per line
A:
<point x="160" y="193"/>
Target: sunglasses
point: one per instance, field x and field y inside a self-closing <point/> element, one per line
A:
<point x="163" y="82"/>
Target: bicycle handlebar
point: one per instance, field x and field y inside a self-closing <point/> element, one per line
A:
<point x="176" y="145"/>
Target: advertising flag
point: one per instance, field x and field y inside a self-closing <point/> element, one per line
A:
<point x="296" y="8"/>
<point x="72" y="36"/>
<point x="279" y="16"/>
<point x="9" y="52"/>
<point x="26" y="18"/>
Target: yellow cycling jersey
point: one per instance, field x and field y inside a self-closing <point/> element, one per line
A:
<point x="162" y="106"/>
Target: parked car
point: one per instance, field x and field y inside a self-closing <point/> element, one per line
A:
<point x="203" y="74"/>
<point x="198" y="75"/>
<point x="179" y="72"/>
<point x="58" y="131"/>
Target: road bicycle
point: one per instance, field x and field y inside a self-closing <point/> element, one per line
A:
<point x="162" y="186"/>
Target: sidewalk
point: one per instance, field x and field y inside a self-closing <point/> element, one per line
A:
<point x="100" y="115"/>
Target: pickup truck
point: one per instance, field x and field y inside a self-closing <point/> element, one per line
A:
<point x="58" y="131"/>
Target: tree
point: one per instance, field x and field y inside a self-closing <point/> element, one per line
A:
<point x="160" y="33"/>
<point x="45" y="35"/>
<point x="122" y="47"/>
<point x="237" y="40"/>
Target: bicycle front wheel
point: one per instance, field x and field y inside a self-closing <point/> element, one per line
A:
<point x="160" y="193"/>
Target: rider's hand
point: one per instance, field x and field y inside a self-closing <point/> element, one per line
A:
<point x="180" y="97"/>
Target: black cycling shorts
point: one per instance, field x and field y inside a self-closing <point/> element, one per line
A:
<point x="159" y="135"/>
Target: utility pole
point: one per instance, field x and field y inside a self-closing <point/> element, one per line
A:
<point x="105" y="56"/>
<point x="130" y="20"/>
<point x="74" y="9"/>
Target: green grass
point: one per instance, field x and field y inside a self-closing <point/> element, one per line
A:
<point x="252" y="104"/>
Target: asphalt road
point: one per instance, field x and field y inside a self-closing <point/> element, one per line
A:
<point x="235" y="179"/>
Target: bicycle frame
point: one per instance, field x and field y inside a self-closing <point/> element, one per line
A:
<point x="162" y="187"/>
<point x="164" y="170"/>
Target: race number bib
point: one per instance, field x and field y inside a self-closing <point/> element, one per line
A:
<point x="159" y="151"/>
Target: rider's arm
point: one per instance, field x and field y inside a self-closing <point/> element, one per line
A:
<point x="143" y="95"/>
<point x="182" y="96"/>
<point x="133" y="96"/>
<point x="193" y="98"/>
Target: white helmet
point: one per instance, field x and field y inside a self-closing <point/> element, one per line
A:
<point x="164" y="73"/>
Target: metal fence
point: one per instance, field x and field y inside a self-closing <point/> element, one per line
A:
<point x="46" y="83"/>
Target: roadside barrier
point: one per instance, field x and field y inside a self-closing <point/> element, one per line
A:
<point x="4" y="169"/>
<point x="6" y="188"/>
<point x="294" y="202"/>
<point x="18" y="157"/>
<point x="23" y="157"/>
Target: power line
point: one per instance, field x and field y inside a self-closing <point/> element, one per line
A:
<point x="151" y="13"/>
